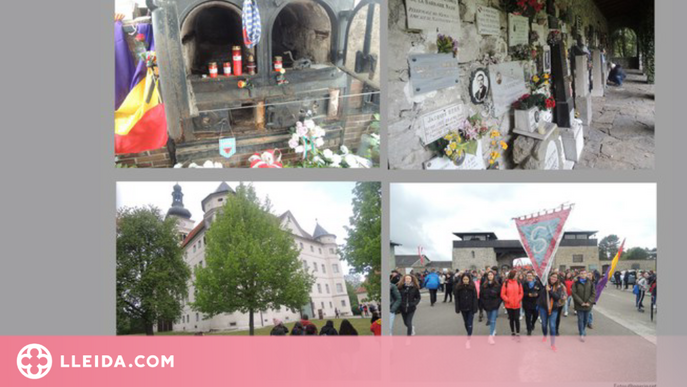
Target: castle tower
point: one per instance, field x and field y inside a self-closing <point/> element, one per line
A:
<point x="177" y="210"/>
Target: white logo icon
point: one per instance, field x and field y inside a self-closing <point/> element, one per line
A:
<point x="34" y="361"/>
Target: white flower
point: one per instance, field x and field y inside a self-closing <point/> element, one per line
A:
<point x="310" y="124"/>
<point x="178" y="165"/>
<point x="293" y="143"/>
<point x="344" y="149"/>
<point x="336" y="160"/>
<point x="319" y="142"/>
<point x="218" y="165"/>
<point x="328" y="154"/>
<point x="193" y="165"/>
<point x="299" y="149"/>
<point x="301" y="131"/>
<point x="208" y="164"/>
<point x="318" y="160"/>
<point x="351" y="160"/>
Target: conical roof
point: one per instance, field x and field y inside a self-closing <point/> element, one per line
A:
<point x="320" y="231"/>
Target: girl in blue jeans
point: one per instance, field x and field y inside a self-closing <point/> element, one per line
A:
<point x="490" y="300"/>
<point x="548" y="307"/>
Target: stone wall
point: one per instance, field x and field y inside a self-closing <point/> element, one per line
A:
<point x="590" y="257"/>
<point x="645" y="265"/>
<point x="406" y="151"/>
<point x="463" y="258"/>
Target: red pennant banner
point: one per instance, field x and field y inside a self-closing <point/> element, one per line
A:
<point x="540" y="236"/>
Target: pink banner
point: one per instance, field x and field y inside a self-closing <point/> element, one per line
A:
<point x="328" y="361"/>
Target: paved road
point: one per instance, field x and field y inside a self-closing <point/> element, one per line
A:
<point x="620" y="348"/>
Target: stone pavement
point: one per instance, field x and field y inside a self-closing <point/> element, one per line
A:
<point x="621" y="135"/>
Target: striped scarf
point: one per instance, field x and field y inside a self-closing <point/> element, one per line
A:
<point x="251" y="23"/>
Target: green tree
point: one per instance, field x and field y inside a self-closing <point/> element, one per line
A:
<point x="363" y="248"/>
<point x="151" y="273"/>
<point x="252" y="263"/>
<point x="608" y="247"/>
<point x="352" y="298"/>
<point x="636" y="253"/>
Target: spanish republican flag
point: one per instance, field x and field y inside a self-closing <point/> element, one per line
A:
<point x="609" y="273"/>
<point x="140" y="121"/>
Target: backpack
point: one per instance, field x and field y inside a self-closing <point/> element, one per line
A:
<point x="635" y="290"/>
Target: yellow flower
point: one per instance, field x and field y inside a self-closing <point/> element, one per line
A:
<point x="453" y="146"/>
<point x="493" y="142"/>
<point x="535" y="78"/>
<point x="449" y="152"/>
<point x="546" y="76"/>
<point x="491" y="161"/>
<point x="504" y="145"/>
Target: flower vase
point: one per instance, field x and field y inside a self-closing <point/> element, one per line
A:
<point x="527" y="120"/>
<point x="458" y="161"/>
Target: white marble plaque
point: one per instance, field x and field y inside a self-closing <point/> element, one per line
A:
<point x="488" y="21"/>
<point x="518" y="30"/>
<point x="543" y="33"/>
<point x="442" y="16"/>
<point x="552" y="161"/>
<point x="507" y="85"/>
<point x="435" y="125"/>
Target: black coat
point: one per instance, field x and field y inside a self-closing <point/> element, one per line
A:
<point x="530" y="296"/>
<point x="465" y="298"/>
<point x="556" y="295"/>
<point x="410" y="297"/>
<point x="490" y="295"/>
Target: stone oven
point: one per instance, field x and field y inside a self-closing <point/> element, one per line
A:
<point x="332" y="71"/>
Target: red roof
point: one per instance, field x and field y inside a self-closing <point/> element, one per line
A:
<point x="193" y="233"/>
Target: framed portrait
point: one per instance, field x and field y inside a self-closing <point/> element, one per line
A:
<point x="546" y="59"/>
<point x="479" y="86"/>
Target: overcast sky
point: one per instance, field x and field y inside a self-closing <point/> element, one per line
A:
<point x="329" y="202"/>
<point x="427" y="214"/>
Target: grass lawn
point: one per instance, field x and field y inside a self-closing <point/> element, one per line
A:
<point x="362" y="325"/>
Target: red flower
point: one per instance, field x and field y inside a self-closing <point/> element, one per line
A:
<point x="141" y="38"/>
<point x="550" y="103"/>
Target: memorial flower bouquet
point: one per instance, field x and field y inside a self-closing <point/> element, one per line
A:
<point x="496" y="147"/>
<point x="527" y="8"/>
<point x="447" y="45"/>
<point x="307" y="138"/>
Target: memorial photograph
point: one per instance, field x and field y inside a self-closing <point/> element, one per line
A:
<point x="247" y="83"/>
<point x="524" y="85"/>
<point x="262" y="258"/>
<point x="561" y="273"/>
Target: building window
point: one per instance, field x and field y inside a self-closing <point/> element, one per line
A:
<point x="326" y="287"/>
<point x="331" y="305"/>
<point x="312" y="249"/>
<point x="635" y="266"/>
<point x="188" y="319"/>
<point x="200" y="263"/>
<point x="339" y="288"/>
<point x="331" y="250"/>
<point x="322" y="303"/>
<point x="578" y="258"/>
<point x="335" y="268"/>
<point x="232" y="324"/>
<point x="205" y="241"/>
<point x="194" y="248"/>
<point x="324" y="270"/>
<point x="319" y="288"/>
<point x="314" y="265"/>
<point x="473" y="254"/>
<point x="301" y="243"/>
<point x="343" y="302"/>
<point x="305" y="265"/>
<point x="200" y="243"/>
<point x="197" y="317"/>
<point x="561" y="268"/>
<point x="319" y="250"/>
<point x="220" y="200"/>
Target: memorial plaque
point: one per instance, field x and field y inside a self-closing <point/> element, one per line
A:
<point x="488" y="21"/>
<point x="442" y="16"/>
<point x="435" y="125"/>
<point x="507" y="85"/>
<point x="518" y="30"/>
<point x="431" y="72"/>
<point x="552" y="161"/>
<point x="543" y="33"/>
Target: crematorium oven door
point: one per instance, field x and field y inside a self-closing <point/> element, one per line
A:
<point x="362" y="44"/>
<point x="173" y="81"/>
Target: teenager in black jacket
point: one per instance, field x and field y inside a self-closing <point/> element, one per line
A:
<point x="490" y="299"/>
<point x="465" y="294"/>
<point x="531" y="287"/>
<point x="410" y="297"/>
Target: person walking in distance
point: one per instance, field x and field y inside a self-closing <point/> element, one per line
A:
<point x="490" y="298"/>
<point x="394" y="299"/>
<point x="548" y="299"/>
<point x="511" y="294"/>
<point x="465" y="294"/>
<point x="643" y="284"/>
<point x="410" y="297"/>
<point x="584" y="294"/>
<point x="569" y="280"/>
<point x="432" y="282"/>
<point x="448" y="286"/>
<point x="531" y="290"/>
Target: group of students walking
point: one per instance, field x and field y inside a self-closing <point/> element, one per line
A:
<point x="520" y="291"/>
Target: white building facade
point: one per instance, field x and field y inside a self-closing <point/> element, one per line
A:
<point x="318" y="254"/>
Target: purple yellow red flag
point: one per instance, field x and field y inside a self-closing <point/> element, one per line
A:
<point x="607" y="276"/>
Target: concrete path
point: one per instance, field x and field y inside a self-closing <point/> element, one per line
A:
<point x="621" y="135"/>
